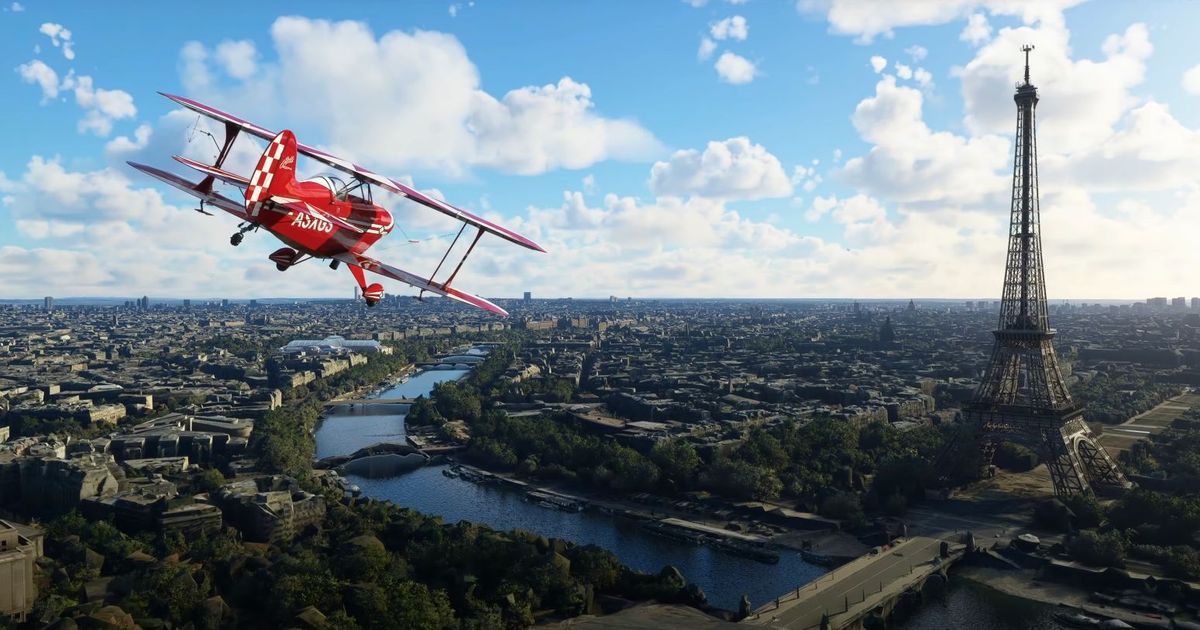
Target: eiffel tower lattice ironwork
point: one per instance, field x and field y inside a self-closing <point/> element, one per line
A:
<point x="1023" y="397"/>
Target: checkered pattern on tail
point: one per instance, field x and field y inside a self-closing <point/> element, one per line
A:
<point x="269" y="176"/>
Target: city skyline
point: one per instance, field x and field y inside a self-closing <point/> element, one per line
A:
<point x="867" y="159"/>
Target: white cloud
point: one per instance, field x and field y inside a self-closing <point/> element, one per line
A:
<point x="415" y="103"/>
<point x="707" y="48"/>
<point x="732" y="169"/>
<point x="977" y="30"/>
<point x="453" y="10"/>
<point x="917" y="52"/>
<point x="1191" y="80"/>
<point x="589" y="183"/>
<point x="735" y="69"/>
<point x="923" y="77"/>
<point x="1084" y="100"/>
<point x="60" y="37"/>
<point x="909" y="162"/>
<point x="903" y="71"/>
<point x="237" y="58"/>
<point x="36" y="71"/>
<point x="16" y="7"/>
<point x="125" y="145"/>
<point x="878" y="63"/>
<point x="734" y="27"/>
<point x="868" y="19"/>
<point x="101" y="106"/>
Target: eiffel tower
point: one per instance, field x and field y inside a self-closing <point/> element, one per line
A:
<point x="1023" y="397"/>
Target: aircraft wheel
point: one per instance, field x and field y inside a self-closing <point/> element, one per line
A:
<point x="281" y="266"/>
<point x="236" y="239"/>
<point x="371" y="303"/>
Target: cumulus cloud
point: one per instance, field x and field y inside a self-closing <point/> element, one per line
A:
<point x="60" y="37"/>
<point x="1087" y="99"/>
<point x="977" y="30"/>
<point x="16" y="7"/>
<point x="868" y="19"/>
<point x="910" y="162"/>
<point x="37" y="72"/>
<point x="734" y="27"/>
<point x="237" y="58"/>
<point x="1191" y="80"/>
<point x="707" y="48"/>
<point x="917" y="52"/>
<point x="101" y="107"/>
<point x="733" y="169"/>
<point x="415" y="103"/>
<point x="735" y="69"/>
<point x="878" y="64"/>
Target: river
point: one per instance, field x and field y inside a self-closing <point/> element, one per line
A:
<point x="966" y="604"/>
<point x="723" y="577"/>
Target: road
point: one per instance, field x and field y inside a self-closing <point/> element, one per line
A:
<point x="850" y="585"/>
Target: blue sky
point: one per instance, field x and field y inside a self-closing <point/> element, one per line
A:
<point x="659" y="211"/>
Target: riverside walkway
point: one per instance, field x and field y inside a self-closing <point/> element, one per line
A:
<point x="852" y="592"/>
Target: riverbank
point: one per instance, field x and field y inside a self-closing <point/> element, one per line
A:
<point x="680" y="526"/>
<point x="1025" y="584"/>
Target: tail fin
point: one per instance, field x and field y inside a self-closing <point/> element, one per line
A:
<point x="275" y="173"/>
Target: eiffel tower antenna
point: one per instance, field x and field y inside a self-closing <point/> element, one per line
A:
<point x="1023" y="397"/>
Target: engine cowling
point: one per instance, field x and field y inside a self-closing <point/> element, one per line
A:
<point x="373" y="294"/>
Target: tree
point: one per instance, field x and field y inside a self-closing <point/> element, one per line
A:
<point x="845" y="507"/>
<point x="740" y="480"/>
<point x="1097" y="549"/>
<point x="678" y="461"/>
<point x="208" y="480"/>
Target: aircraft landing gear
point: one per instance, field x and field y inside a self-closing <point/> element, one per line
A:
<point x="236" y="239"/>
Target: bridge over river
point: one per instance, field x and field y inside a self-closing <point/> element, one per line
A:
<point x="871" y="585"/>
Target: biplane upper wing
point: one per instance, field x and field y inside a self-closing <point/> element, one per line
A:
<point x="208" y="196"/>
<point x="362" y="173"/>
<point x="374" y="266"/>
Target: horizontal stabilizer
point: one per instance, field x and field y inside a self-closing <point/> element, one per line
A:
<point x="374" y="266"/>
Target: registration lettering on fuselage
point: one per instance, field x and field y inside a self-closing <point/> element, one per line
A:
<point x="305" y="222"/>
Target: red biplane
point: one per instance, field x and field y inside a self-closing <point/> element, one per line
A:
<point x="321" y="217"/>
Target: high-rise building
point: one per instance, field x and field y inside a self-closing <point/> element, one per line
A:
<point x="1156" y="302"/>
<point x="1179" y="303"/>
<point x="224" y="303"/>
<point x="144" y="303"/>
<point x="1023" y="396"/>
<point x="528" y="297"/>
<point x="48" y="303"/>
<point x="1196" y="304"/>
<point x="187" y="304"/>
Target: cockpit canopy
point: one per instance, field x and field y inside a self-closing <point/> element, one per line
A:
<point x="336" y="185"/>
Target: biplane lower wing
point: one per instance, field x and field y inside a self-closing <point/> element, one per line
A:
<point x="209" y="197"/>
<point x="374" y="266"/>
<point x="363" y="174"/>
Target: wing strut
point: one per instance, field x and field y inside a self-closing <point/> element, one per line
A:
<point x="231" y="133"/>
<point x="475" y="241"/>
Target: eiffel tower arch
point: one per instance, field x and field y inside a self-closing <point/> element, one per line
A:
<point x="1023" y="397"/>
